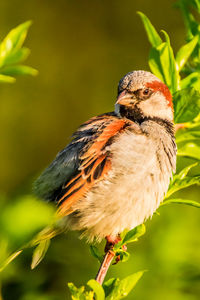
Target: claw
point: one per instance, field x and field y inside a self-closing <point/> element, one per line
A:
<point x="111" y="242"/>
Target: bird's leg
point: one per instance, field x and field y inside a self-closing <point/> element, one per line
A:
<point x="111" y="242"/>
<point x="109" y="255"/>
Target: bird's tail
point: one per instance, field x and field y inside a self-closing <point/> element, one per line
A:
<point x="41" y="241"/>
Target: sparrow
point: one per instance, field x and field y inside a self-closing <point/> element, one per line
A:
<point x="116" y="170"/>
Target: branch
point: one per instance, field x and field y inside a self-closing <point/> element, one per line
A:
<point x="180" y="126"/>
<point x="105" y="266"/>
<point x="109" y="255"/>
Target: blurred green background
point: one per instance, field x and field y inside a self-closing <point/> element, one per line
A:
<point x="82" y="49"/>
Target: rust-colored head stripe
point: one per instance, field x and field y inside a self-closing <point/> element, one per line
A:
<point x="161" y="87"/>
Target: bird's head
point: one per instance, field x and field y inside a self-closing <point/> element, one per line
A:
<point x="142" y="95"/>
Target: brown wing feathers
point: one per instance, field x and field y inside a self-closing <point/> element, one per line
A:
<point x="94" y="161"/>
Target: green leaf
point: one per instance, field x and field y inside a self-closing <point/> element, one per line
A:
<point x="124" y="255"/>
<point x="123" y="233"/>
<point x="97" y="288"/>
<point x="82" y="294"/>
<point x="6" y="79"/>
<point x="165" y="62"/>
<point x="189" y="150"/>
<point x="96" y="253"/>
<point x="39" y="253"/>
<point x="13" y="41"/>
<point x="162" y="64"/>
<point x="191" y="80"/>
<point x="155" y="64"/>
<point x="17" y="56"/>
<point x="187" y="135"/>
<point x="197" y="5"/>
<point x="10" y="259"/>
<point x="123" y="287"/>
<point x="171" y="74"/>
<point x="161" y="57"/>
<point x="189" y="20"/>
<point x="109" y="285"/>
<point x="19" y="70"/>
<point x="184" y="52"/>
<point x="77" y="293"/>
<point x="47" y="233"/>
<point x="186" y="105"/>
<point x="183" y="173"/>
<point x="181" y="181"/>
<point x="24" y="217"/>
<point x="73" y="289"/>
<point x="194" y="124"/>
<point x="133" y="234"/>
<point x="152" y="34"/>
<point x="181" y="201"/>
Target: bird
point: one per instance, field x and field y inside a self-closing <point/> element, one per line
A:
<point x="116" y="170"/>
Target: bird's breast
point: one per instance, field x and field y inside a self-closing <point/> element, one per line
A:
<point x="133" y="188"/>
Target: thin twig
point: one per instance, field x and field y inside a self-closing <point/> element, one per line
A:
<point x="105" y="266"/>
<point x="180" y="126"/>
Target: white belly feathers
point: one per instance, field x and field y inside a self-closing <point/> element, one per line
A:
<point x="131" y="191"/>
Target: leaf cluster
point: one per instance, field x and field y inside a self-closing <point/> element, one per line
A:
<point x="13" y="54"/>
<point x="184" y="83"/>
<point x="113" y="289"/>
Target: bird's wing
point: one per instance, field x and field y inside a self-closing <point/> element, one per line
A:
<point x="59" y="171"/>
<point x="94" y="158"/>
<point x="81" y="164"/>
<point x="67" y="162"/>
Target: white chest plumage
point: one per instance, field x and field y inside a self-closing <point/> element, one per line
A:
<point x="143" y="158"/>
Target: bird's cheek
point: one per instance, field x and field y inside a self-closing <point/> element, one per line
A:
<point x="144" y="106"/>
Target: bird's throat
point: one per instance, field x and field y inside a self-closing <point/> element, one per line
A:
<point x="137" y="116"/>
<point x="134" y="115"/>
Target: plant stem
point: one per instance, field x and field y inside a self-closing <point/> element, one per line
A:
<point x="105" y="266"/>
<point x="180" y="126"/>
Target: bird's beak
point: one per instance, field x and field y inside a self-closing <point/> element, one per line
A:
<point x="123" y="98"/>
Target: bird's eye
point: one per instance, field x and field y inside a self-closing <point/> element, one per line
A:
<point x="146" y="92"/>
<point x="143" y="94"/>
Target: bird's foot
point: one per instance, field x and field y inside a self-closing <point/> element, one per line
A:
<point x="111" y="242"/>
